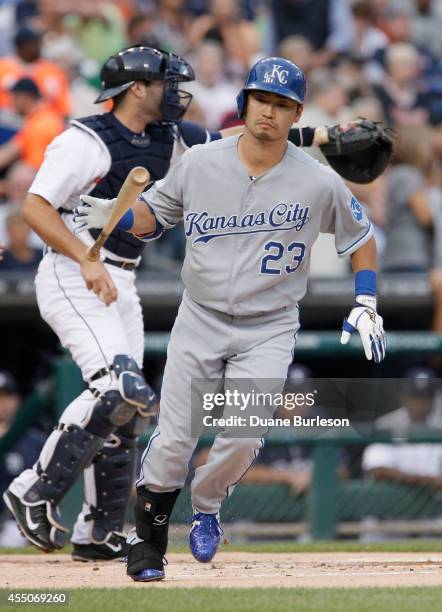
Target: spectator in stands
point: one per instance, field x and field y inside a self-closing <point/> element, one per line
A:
<point x="435" y="198"/>
<point x="327" y="24"/>
<point x="21" y="456"/>
<point x="297" y="49"/>
<point x="17" y="182"/>
<point x="7" y="24"/>
<point x="224" y="24"/>
<point x="350" y="73"/>
<point x="19" y="256"/>
<point x="40" y="126"/>
<point x="211" y="90"/>
<point x="63" y="49"/>
<point x="49" y="78"/>
<point x="409" y="463"/>
<point x="172" y="25"/>
<point x="197" y="113"/>
<point x="402" y="100"/>
<point x="368" y="107"/>
<point x="98" y="25"/>
<point x="409" y="218"/>
<point x="368" y="38"/>
<point x="141" y="30"/>
<point x="427" y="25"/>
<point x="326" y="99"/>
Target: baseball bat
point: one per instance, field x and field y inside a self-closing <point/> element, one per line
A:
<point x="135" y="181"/>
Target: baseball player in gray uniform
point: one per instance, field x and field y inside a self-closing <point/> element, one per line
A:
<point x="252" y="206"/>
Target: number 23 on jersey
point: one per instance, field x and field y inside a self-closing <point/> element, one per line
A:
<point x="272" y="264"/>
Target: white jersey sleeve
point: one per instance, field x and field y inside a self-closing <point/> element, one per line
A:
<point x="74" y="162"/>
<point x="346" y="219"/>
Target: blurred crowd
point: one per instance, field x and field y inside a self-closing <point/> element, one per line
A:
<point x="379" y="59"/>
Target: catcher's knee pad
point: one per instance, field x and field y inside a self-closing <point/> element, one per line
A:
<point x="152" y="514"/>
<point x="116" y="407"/>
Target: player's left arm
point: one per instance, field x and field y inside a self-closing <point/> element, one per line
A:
<point x="364" y="317"/>
<point x="347" y="219"/>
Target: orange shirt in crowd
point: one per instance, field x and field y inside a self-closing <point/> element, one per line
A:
<point x="49" y="78"/>
<point x="39" y="129"/>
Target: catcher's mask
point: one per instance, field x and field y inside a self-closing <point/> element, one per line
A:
<point x="140" y="63"/>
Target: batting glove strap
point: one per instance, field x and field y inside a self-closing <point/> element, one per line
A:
<point x="364" y="319"/>
<point x="93" y="214"/>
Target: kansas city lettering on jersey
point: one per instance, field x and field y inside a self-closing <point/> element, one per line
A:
<point x="205" y="227"/>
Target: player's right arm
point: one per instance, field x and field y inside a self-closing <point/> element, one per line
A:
<point x="47" y="223"/>
<point x="66" y="170"/>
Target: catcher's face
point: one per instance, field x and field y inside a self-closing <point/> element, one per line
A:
<point x="149" y="96"/>
<point x="270" y="116"/>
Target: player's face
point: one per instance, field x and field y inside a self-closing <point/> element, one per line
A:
<point x="149" y="96"/>
<point x="270" y="116"/>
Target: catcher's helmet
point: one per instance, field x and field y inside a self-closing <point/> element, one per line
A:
<point x="276" y="75"/>
<point x="139" y="63"/>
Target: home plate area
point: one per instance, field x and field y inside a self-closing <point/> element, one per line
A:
<point x="235" y="569"/>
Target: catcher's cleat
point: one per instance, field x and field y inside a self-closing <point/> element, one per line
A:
<point x="114" y="548"/>
<point x="39" y="524"/>
<point x="204" y="536"/>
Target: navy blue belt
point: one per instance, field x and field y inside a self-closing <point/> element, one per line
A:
<point x="125" y="265"/>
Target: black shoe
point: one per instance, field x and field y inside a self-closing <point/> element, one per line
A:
<point x="115" y="547"/>
<point x="39" y="524"/>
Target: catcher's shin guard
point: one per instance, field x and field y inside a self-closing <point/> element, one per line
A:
<point x="152" y="514"/>
<point x="114" y="470"/>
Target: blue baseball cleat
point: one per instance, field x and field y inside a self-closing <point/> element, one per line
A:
<point x="204" y="536"/>
<point x="145" y="563"/>
<point x="148" y="575"/>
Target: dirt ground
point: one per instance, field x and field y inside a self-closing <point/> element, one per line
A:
<point x="236" y="569"/>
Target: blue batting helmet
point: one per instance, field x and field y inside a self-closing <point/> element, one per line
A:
<point x="276" y="75"/>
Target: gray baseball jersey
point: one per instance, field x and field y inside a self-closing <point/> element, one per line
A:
<point x="249" y="239"/>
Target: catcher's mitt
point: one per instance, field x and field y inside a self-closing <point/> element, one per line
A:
<point x="359" y="151"/>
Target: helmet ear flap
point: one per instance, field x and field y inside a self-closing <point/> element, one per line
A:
<point x="241" y="102"/>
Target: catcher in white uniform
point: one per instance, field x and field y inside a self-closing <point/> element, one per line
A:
<point x="252" y="207"/>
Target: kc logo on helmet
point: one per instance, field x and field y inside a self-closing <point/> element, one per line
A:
<point x="277" y="73"/>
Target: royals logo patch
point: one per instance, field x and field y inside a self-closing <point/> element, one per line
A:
<point x="356" y="209"/>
